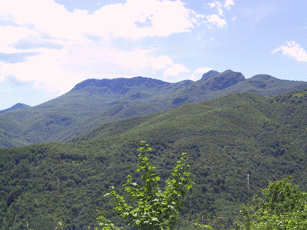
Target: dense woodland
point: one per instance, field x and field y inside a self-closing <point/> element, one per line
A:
<point x="49" y="185"/>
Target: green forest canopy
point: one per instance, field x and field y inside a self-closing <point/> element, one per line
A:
<point x="226" y="139"/>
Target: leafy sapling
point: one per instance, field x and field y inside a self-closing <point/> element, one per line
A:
<point x="154" y="208"/>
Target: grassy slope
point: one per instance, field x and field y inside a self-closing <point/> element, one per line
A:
<point x="226" y="138"/>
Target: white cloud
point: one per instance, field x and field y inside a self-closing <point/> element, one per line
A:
<point x="60" y="69"/>
<point x="45" y="16"/>
<point x="175" y="70"/>
<point x="77" y="56"/>
<point x="293" y="50"/>
<point x="216" y="20"/>
<point x="137" y="19"/>
<point x="44" y="71"/>
<point x="219" y="7"/>
<point x="123" y="20"/>
<point x="212" y="4"/>
<point x="12" y="35"/>
<point x="161" y="62"/>
<point x="199" y="72"/>
<point x="228" y="3"/>
<point x="102" y="59"/>
<point x="220" y="10"/>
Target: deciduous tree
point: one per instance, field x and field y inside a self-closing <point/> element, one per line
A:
<point x="283" y="206"/>
<point x="155" y="208"/>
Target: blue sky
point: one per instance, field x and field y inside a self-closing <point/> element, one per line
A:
<point x="48" y="46"/>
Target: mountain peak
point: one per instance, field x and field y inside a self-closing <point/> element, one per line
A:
<point x="224" y="80"/>
<point x="263" y="77"/>
<point x="119" y="84"/>
<point x="16" y="106"/>
<point x="209" y="74"/>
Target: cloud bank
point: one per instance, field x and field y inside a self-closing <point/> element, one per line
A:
<point x="293" y="50"/>
<point x="46" y="44"/>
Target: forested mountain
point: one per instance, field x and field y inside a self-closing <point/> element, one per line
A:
<point x="226" y="138"/>
<point x="94" y="102"/>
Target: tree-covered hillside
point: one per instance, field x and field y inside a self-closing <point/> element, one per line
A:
<point x="62" y="184"/>
<point x="94" y="102"/>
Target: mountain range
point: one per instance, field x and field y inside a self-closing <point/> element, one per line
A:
<point x="94" y="102"/>
<point x="235" y="145"/>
